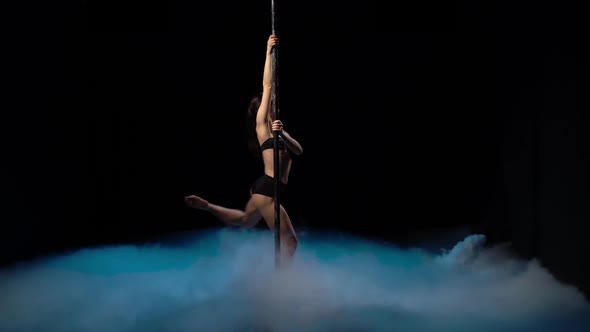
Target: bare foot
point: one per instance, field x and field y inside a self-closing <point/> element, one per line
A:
<point x="196" y="202"/>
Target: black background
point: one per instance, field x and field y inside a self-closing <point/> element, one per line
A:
<point x="412" y="117"/>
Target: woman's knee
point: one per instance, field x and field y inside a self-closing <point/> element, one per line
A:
<point x="250" y="220"/>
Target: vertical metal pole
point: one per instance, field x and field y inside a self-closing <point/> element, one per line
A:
<point x="275" y="110"/>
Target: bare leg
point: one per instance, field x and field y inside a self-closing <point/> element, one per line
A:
<point x="258" y="207"/>
<point x="288" y="237"/>
<point x="233" y="217"/>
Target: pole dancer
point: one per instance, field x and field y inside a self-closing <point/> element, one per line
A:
<point x="269" y="140"/>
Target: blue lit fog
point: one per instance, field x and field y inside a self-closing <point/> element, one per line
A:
<point x="225" y="280"/>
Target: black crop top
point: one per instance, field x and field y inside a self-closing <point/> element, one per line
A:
<point x="269" y="144"/>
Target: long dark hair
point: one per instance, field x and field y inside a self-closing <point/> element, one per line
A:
<point x="253" y="145"/>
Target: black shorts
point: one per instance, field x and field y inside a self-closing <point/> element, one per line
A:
<point x="265" y="185"/>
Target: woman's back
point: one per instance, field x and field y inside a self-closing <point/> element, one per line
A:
<point x="285" y="160"/>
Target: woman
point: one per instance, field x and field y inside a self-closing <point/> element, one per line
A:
<point x="261" y="202"/>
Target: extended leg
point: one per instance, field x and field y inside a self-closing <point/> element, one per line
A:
<point x="233" y="217"/>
